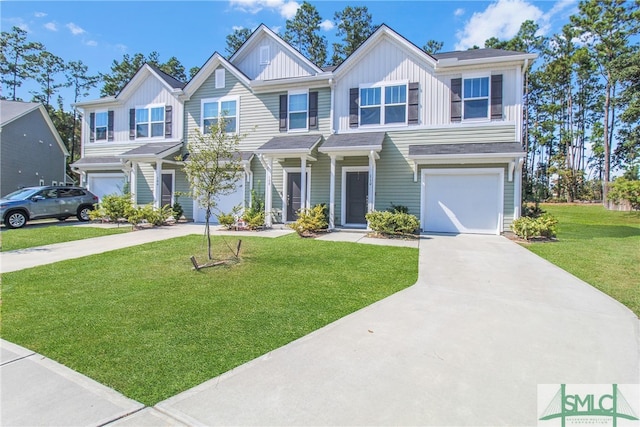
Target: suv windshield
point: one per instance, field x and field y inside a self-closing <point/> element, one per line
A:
<point x="20" y="194"/>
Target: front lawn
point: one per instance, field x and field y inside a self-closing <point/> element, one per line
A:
<point x="30" y="237"/>
<point x="141" y="321"/>
<point x="599" y="246"/>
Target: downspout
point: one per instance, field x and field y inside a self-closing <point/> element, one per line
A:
<point x="332" y="86"/>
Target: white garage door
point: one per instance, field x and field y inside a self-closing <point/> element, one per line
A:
<point x="224" y="204"/>
<point x="462" y="200"/>
<point x="104" y="184"/>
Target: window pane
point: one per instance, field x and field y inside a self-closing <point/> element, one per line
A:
<point x="228" y="108"/>
<point x="157" y="114"/>
<point x="142" y="131"/>
<point x="370" y="96"/>
<point x="210" y="109"/>
<point x="298" y="120"/>
<point x="157" y="129"/>
<point x="476" y="88"/>
<point x="231" y="125"/>
<point x="298" y="102"/>
<point x="370" y="116"/>
<point x="101" y="119"/>
<point x="395" y="94"/>
<point x="142" y="115"/>
<point x="101" y="133"/>
<point x="395" y="114"/>
<point x="476" y="109"/>
<point x="208" y="123"/>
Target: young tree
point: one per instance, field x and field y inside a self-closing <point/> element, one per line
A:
<point x="432" y="47"/>
<point x="303" y="34"/>
<point x="236" y="39"/>
<point x="354" y="27"/>
<point x="212" y="168"/>
<point x="17" y="59"/>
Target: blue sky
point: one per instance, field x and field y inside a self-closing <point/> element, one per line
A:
<point x="97" y="32"/>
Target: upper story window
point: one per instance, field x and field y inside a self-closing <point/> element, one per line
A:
<point x="298" y="110"/>
<point x="213" y="109"/>
<point x="383" y="105"/>
<point x="476" y="98"/>
<point x="220" y="78"/>
<point x="150" y="122"/>
<point x="264" y="55"/>
<point x="101" y="123"/>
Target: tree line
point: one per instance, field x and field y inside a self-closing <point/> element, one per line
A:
<point x="581" y="96"/>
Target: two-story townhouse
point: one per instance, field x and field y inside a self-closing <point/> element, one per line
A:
<point x="130" y="141"/>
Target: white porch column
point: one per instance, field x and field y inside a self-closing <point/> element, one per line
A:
<point x="332" y="194"/>
<point x="133" y="183"/>
<point x="157" y="201"/>
<point x="517" y="189"/>
<point x="303" y="182"/>
<point x="268" y="194"/>
<point x="372" y="181"/>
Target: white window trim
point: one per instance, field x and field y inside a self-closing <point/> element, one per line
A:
<point x="488" y="97"/>
<point x="382" y="86"/>
<point x="220" y="75"/>
<point x="285" y="190"/>
<point x="95" y="127"/>
<point x="41" y="182"/>
<point x="150" y="122"/>
<point x="219" y="101"/>
<point x="306" y="123"/>
<point x="264" y="55"/>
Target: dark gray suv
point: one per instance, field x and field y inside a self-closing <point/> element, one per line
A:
<point x="46" y="202"/>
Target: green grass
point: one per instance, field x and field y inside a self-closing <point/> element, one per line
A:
<point x="142" y="321"/>
<point x="599" y="246"/>
<point x="22" y="238"/>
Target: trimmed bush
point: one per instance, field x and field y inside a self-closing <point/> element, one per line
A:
<point x="150" y="214"/>
<point x="311" y="221"/>
<point x="542" y="226"/>
<point x="113" y="207"/>
<point x="392" y="222"/>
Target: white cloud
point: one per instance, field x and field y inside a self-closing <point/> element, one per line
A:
<point x="276" y="29"/>
<point x="458" y="12"/>
<point x="91" y="43"/>
<point x="39" y="14"/>
<point x="286" y="8"/>
<point x="75" y="30"/>
<point x="237" y="27"/>
<point x="327" y="25"/>
<point x="501" y="19"/>
<point x="120" y="47"/>
<point x="51" y="26"/>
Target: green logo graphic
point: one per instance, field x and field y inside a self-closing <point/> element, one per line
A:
<point x="566" y="405"/>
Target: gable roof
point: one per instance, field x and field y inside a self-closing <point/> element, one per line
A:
<point x="208" y="68"/>
<point x="168" y="78"/>
<point x="462" y="57"/>
<point x="13" y="110"/>
<point x="262" y="29"/>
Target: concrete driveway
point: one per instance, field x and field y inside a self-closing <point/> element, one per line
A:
<point x="467" y="345"/>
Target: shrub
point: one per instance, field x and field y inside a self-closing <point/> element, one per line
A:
<point x="311" y="220"/>
<point x="398" y="209"/>
<point x="229" y="219"/>
<point x="254" y="215"/>
<point x="113" y="207"/>
<point x="150" y="214"/>
<point x="532" y="210"/>
<point x="392" y="223"/>
<point x="542" y="226"/>
<point x="624" y="189"/>
<point x="177" y="211"/>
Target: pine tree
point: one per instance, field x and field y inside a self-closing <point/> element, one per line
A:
<point x="302" y="32"/>
<point x="18" y="59"/>
<point x="236" y="39"/>
<point x="354" y="26"/>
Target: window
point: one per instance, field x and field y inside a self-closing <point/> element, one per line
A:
<point x="220" y="77"/>
<point x="101" y="124"/>
<point x="54" y="183"/>
<point x="298" y="111"/>
<point x="476" y="98"/>
<point x="149" y="122"/>
<point x="394" y="100"/>
<point x="213" y="109"/>
<point x="264" y="55"/>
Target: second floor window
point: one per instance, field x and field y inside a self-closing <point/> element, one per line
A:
<point x="150" y="122"/>
<point x="213" y="109"/>
<point x="383" y="105"/>
<point x="101" y="124"/>
<point x="476" y="98"/>
<point x="298" y="111"/>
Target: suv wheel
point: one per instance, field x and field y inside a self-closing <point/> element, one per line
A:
<point x="15" y="219"/>
<point x="83" y="213"/>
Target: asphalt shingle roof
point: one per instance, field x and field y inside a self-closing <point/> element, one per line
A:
<point x="151" y="149"/>
<point x="354" y="140"/>
<point x="462" y="55"/>
<point x="471" y="148"/>
<point x="291" y="143"/>
<point x="9" y="110"/>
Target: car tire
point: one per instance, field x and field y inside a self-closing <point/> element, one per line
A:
<point x="83" y="213"/>
<point x="15" y="219"/>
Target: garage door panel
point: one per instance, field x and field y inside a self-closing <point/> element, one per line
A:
<point x="224" y="204"/>
<point x="105" y="185"/>
<point x="462" y="203"/>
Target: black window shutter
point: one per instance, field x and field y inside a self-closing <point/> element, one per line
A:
<point x="353" y="107"/>
<point x="110" y="125"/>
<point x="414" y="101"/>
<point x="92" y="126"/>
<point x="496" y="97"/>
<point x="456" y="100"/>
<point x="132" y="123"/>
<point x="168" y="125"/>
<point x="313" y="110"/>
<point x="283" y="112"/>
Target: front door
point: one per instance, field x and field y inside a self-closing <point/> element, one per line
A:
<point x="294" y="195"/>
<point x="167" y="189"/>
<point x="356" y="204"/>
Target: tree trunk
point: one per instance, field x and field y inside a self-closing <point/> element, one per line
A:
<point x="607" y="148"/>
